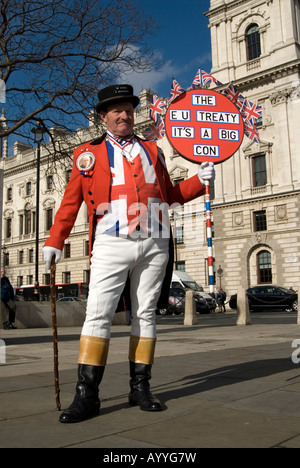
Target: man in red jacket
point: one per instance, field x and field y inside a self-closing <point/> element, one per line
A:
<point x="127" y="189"/>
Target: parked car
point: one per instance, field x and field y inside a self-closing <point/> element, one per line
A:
<point x="268" y="297"/>
<point x="182" y="280"/>
<point x="177" y="303"/>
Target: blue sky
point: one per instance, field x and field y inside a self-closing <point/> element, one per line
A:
<point x="183" y="42"/>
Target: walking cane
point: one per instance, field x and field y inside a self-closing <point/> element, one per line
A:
<point x="54" y="328"/>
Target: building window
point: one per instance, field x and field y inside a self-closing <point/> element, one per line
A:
<point x="264" y="267"/>
<point x="27" y="222"/>
<point x="50" y="182"/>
<point x="253" y="42"/>
<point x="68" y="175"/>
<point x="86" y="248"/>
<point x="66" y="277"/>
<point x="30" y="279"/>
<point x="28" y="188"/>
<point x="21" y="257"/>
<point x="21" y="221"/>
<point x="259" y="171"/>
<point x="19" y="281"/>
<point x="49" y="218"/>
<point x="5" y="259"/>
<point x="46" y="277"/>
<point x="9" y="194"/>
<point x="260" y="220"/>
<point x="178" y="234"/>
<point x="180" y="265"/>
<point x="30" y="256"/>
<point x="67" y="251"/>
<point x="8" y="225"/>
<point x="86" y="276"/>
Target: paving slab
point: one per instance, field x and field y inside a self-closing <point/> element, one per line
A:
<point x="221" y="385"/>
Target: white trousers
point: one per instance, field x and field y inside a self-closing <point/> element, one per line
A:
<point x="113" y="259"/>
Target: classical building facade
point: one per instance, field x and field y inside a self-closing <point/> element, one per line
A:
<point x="256" y="45"/>
<point x="256" y="196"/>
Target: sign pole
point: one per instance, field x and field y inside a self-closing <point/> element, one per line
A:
<point x="205" y="126"/>
<point x="209" y="238"/>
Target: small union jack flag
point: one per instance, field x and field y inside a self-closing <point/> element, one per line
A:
<point x="176" y="90"/>
<point x="251" y="112"/>
<point x="251" y="131"/>
<point x="156" y="108"/>
<point x="197" y="83"/>
<point x="155" y="131"/>
<point x="232" y="93"/>
<point x="207" y="79"/>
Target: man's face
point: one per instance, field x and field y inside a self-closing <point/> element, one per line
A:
<point x="119" y="119"/>
<point x="2" y="272"/>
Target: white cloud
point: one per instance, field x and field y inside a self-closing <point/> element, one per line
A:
<point x="149" y="80"/>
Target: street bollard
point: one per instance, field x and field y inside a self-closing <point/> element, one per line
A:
<point x="190" y="317"/>
<point x="243" y="311"/>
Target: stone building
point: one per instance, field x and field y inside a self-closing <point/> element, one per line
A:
<point x="255" y="44"/>
<point x="256" y="196"/>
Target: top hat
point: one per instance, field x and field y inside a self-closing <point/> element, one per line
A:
<point x="114" y="94"/>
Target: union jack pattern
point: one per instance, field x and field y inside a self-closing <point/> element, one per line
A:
<point x="251" y="131"/>
<point x="232" y="93"/>
<point x="156" y="108"/>
<point x="176" y="90"/>
<point x="207" y="79"/>
<point x="197" y="83"/>
<point x="203" y="79"/>
<point x="155" y="131"/>
<point x="251" y="112"/>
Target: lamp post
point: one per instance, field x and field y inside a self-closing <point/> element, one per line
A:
<point x="38" y="132"/>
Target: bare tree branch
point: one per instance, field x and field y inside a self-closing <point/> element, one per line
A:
<point x="56" y="54"/>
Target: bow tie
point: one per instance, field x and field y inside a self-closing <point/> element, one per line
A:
<point x="121" y="141"/>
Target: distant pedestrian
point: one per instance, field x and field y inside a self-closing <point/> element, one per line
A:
<point x="221" y="298"/>
<point x="8" y="298"/>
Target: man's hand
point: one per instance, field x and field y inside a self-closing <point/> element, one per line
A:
<point x="206" y="172"/>
<point x="50" y="252"/>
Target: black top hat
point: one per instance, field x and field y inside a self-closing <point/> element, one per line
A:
<point x="116" y="93"/>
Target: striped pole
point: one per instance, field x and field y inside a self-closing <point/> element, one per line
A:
<point x="209" y="238"/>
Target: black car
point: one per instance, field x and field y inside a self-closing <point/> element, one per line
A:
<point x="268" y="297"/>
<point x="177" y="303"/>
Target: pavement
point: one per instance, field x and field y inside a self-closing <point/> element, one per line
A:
<point x="222" y="386"/>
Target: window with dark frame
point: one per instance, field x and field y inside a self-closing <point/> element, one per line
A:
<point x="49" y="219"/>
<point x="66" y="277"/>
<point x="253" y="42"/>
<point x="179" y="237"/>
<point x="259" y="171"/>
<point x="28" y="188"/>
<point x="27" y="218"/>
<point x="30" y="256"/>
<point x="8" y="228"/>
<point x="264" y="265"/>
<point x="260" y="220"/>
<point x="50" y="182"/>
<point x="9" y="194"/>
<point x="180" y="265"/>
<point x="67" y="251"/>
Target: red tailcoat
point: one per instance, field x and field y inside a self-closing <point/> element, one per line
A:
<point x="93" y="188"/>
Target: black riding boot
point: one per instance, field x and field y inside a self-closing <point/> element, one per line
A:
<point x="140" y="394"/>
<point x="86" y="403"/>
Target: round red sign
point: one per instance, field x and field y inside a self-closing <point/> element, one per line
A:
<point x="204" y="126"/>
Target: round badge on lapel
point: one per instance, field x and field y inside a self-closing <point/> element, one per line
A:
<point x="85" y="162"/>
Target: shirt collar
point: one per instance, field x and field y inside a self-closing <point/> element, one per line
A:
<point x="121" y="141"/>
